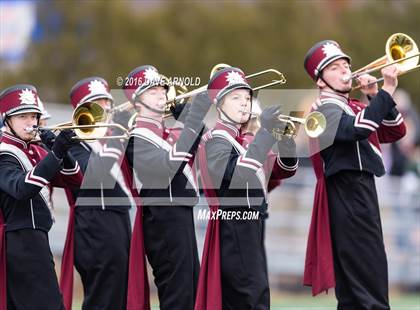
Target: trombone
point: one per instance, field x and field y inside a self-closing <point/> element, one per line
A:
<point x="89" y="121"/>
<point x="179" y="92"/>
<point x="400" y="50"/>
<point x="280" y="80"/>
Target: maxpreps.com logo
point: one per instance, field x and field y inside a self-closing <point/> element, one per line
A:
<point x="227" y="215"/>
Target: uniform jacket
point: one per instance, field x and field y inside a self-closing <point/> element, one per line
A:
<point x="164" y="174"/>
<point x="103" y="185"/>
<point x="27" y="172"/>
<point x="354" y="131"/>
<point x="238" y="169"/>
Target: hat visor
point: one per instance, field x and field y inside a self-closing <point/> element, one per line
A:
<point x="25" y="110"/>
<point x="96" y="97"/>
<point x="229" y="89"/>
<point x="331" y="60"/>
<point x="141" y="89"/>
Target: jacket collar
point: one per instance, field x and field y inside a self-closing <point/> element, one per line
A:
<point x="149" y="123"/>
<point x="228" y="127"/>
<point x="327" y="94"/>
<point x="13" y="140"/>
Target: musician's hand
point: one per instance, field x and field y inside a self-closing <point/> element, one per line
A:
<point x="179" y="111"/>
<point x="198" y="110"/>
<point x="390" y="75"/>
<point x="201" y="104"/>
<point x="364" y="81"/>
<point x="47" y="137"/>
<point x="63" y="142"/>
<point x="121" y="118"/>
<point x="269" y="118"/>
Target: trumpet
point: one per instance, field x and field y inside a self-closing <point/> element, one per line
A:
<point x="175" y="93"/>
<point x="400" y="50"/>
<point x="89" y="121"/>
<point x="314" y="123"/>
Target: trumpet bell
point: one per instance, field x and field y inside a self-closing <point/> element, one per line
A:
<point x="315" y="124"/>
<point x="89" y="113"/>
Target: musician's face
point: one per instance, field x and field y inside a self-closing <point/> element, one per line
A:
<point x="334" y="74"/>
<point x="155" y="98"/>
<point x="20" y="122"/>
<point x="237" y="105"/>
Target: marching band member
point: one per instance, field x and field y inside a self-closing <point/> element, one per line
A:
<point x="161" y="158"/>
<point x="233" y="274"/>
<point x="98" y="237"/>
<point x="26" y="172"/>
<point x="345" y="245"/>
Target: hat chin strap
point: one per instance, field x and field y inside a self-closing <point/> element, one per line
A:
<point x="10" y="127"/>
<point x="345" y="92"/>
<point x="149" y="107"/>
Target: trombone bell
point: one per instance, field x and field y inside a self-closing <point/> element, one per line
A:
<point x="400" y="50"/>
<point x="89" y="121"/>
<point x="399" y="46"/>
<point x="89" y="113"/>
